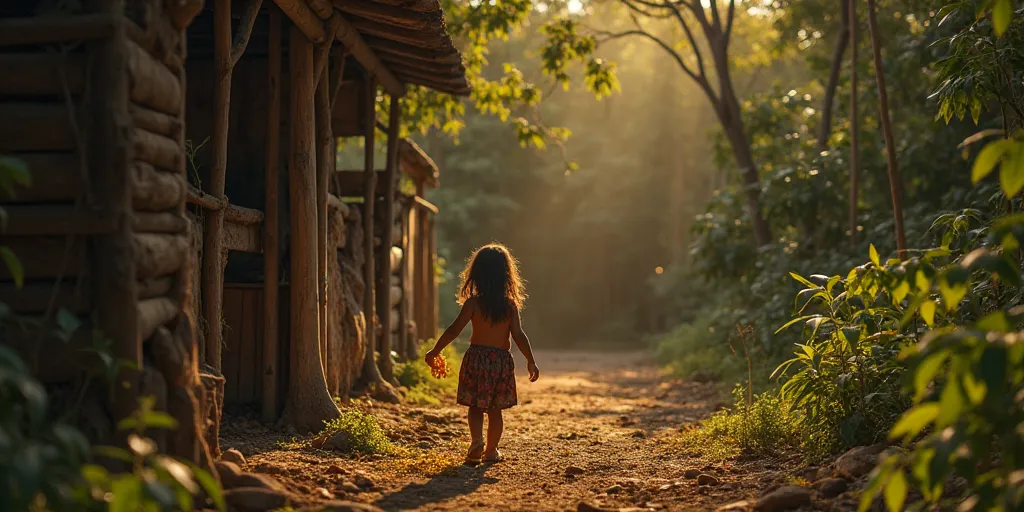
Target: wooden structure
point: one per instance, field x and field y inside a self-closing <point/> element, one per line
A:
<point x="129" y="222"/>
<point x="92" y="95"/>
<point x="412" y="287"/>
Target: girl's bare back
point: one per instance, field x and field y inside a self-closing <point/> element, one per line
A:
<point x="489" y="334"/>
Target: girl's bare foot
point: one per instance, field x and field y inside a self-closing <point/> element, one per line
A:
<point x="490" y="458"/>
<point x="476" y="451"/>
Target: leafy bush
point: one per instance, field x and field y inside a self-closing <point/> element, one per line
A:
<point x="361" y="433"/>
<point x="421" y="387"/>
<point x="764" y="427"/>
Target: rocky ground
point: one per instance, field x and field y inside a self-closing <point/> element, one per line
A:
<point x="596" y="432"/>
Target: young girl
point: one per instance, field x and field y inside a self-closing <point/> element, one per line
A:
<point x="491" y="295"/>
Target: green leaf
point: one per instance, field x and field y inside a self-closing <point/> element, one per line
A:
<point x="951" y="402"/>
<point x="1011" y="173"/>
<point x="928" y="312"/>
<point x="851" y="335"/>
<point x="988" y="158"/>
<point x="926" y="371"/>
<point x="995" y="321"/>
<point x="802" y="280"/>
<point x="127" y="494"/>
<point x="952" y="294"/>
<point x="1002" y="13"/>
<point x="896" y="491"/>
<point x="900" y="292"/>
<point x="914" y="421"/>
<point x="873" y="254"/>
<point x="974" y="389"/>
<point x="13" y="265"/>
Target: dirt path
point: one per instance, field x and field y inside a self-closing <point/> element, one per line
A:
<point x="610" y="415"/>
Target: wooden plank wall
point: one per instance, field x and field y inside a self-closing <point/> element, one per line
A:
<point x="243" y="344"/>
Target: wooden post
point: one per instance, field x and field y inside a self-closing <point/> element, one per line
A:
<point x="386" y="233"/>
<point x="370" y="372"/>
<point x="431" y="278"/>
<point x="213" y="241"/>
<point x="324" y="164"/>
<point x="309" y="403"/>
<point x="270" y="221"/>
<point x="895" y="182"/>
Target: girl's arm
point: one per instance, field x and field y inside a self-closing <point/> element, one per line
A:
<point x="452" y="331"/>
<point x="523" y="342"/>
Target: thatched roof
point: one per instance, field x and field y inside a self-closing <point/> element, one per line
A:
<point x="411" y="40"/>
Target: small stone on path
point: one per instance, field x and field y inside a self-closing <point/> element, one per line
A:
<point x="573" y="471"/>
<point x="335" y="469"/>
<point x="254" y="499"/>
<point x="234" y="456"/>
<point x="691" y="473"/>
<point x="858" y="461"/>
<point x="350" y="487"/>
<point x="364" y="481"/>
<point x="324" y="493"/>
<point x="258" y="480"/>
<point x="735" y="506"/>
<point x="615" y="489"/>
<point x="228" y="473"/>
<point x="705" y="479"/>
<point x="784" y="498"/>
<point x="831" y="487"/>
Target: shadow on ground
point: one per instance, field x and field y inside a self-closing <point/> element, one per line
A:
<point x="458" y="481"/>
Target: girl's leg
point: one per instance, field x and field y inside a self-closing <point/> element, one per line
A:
<point x="476" y="432"/>
<point x="495" y="426"/>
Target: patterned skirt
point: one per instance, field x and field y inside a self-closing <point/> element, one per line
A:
<point x="487" y="379"/>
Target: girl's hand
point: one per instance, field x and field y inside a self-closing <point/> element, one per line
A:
<point x="534" y="371"/>
<point x="429" y="358"/>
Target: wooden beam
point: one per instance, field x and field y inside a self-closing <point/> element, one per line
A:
<point x="303" y="18"/>
<point x="55" y="177"/>
<point x="271" y="254"/>
<point x="55" y="29"/>
<point x="370" y="371"/>
<point x="426" y="205"/>
<point x="353" y="41"/>
<point x="322" y="8"/>
<point x="213" y="239"/>
<point x="36" y="127"/>
<point x="243" y="237"/>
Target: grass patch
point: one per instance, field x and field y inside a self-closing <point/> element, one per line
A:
<point x="359" y="433"/>
<point x="421" y="387"/>
<point x="765" y="427"/>
<point x="439" y="460"/>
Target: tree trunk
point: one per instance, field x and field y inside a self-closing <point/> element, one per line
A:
<point x="854" y="121"/>
<point x="384" y="273"/>
<point x="729" y="115"/>
<point x="895" y="184"/>
<point x="309" y="403"/>
<point x="375" y="382"/>
<point x="842" y="40"/>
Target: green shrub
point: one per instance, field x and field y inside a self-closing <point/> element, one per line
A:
<point x="765" y="427"/>
<point x="361" y="433"/>
<point x="421" y="387"/>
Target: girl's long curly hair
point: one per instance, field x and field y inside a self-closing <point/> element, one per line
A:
<point x="492" y="276"/>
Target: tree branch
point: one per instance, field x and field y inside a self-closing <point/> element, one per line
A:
<point x="728" y="23"/>
<point x="252" y="9"/>
<point x="646" y="13"/>
<point x="701" y="80"/>
<point x="715" y="17"/>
